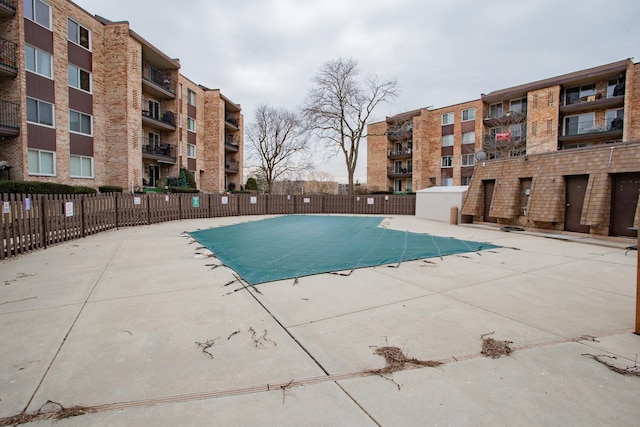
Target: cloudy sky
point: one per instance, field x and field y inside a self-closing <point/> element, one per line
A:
<point x="441" y="52"/>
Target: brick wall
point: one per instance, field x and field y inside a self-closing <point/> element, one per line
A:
<point x="377" y="148"/>
<point x="546" y="203"/>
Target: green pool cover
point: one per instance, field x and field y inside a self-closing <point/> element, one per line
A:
<point x="301" y="245"/>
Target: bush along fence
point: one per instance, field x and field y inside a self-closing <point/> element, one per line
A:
<point x="32" y="222"/>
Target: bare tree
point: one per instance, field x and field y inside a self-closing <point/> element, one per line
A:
<point x="507" y="136"/>
<point x="276" y="144"/>
<point x="340" y="103"/>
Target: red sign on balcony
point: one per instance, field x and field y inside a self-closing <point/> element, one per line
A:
<point x="503" y="136"/>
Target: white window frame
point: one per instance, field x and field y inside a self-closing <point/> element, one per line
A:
<point x="447" y="119"/>
<point x="38" y="106"/>
<point x="446" y="162"/>
<point x="74" y="69"/>
<point x="33" y="16"/>
<point x="191" y="124"/>
<point x="496" y="110"/>
<point x="467" y="139"/>
<point x="78" y="29"/>
<point x="470" y="114"/>
<point x="39" y="166"/>
<point x="522" y="105"/>
<point x="447" y="182"/>
<point x="37" y="61"/>
<point x="447" y="140"/>
<point x="79" y="132"/>
<point x="465" y="180"/>
<point x="191" y="151"/>
<point x="468" y="160"/>
<point x="191" y="97"/>
<point x="81" y="158"/>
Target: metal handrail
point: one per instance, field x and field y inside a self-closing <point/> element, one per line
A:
<point x="8" y="56"/>
<point x="9" y="114"/>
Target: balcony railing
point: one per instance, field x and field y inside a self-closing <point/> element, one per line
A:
<point x="8" y="57"/>
<point x="232" y="121"/>
<point x="159" y="78"/>
<point x="398" y="135"/>
<point x="590" y="127"/>
<point x="231" y="166"/>
<point x="397" y="154"/>
<point x="9" y="118"/>
<point x="398" y="172"/>
<point x="161" y="151"/>
<point x="7" y="7"/>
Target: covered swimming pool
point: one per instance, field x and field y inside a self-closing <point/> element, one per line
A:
<point x="294" y="246"/>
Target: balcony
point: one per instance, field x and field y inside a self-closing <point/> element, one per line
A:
<point x="404" y="153"/>
<point x="163" y="153"/>
<point x="232" y="122"/>
<point x="231" y="166"/>
<point x="8" y="58"/>
<point x="611" y="129"/>
<point x="231" y="144"/>
<point x="7" y="8"/>
<point x="158" y="83"/>
<point x="593" y="102"/>
<point x="399" y="135"/>
<point x="160" y="120"/>
<point x="9" y="119"/>
<point x="510" y="117"/>
<point x="397" y="172"/>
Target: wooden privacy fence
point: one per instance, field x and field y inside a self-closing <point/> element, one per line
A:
<point x="31" y="222"/>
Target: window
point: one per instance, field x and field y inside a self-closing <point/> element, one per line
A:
<point x="614" y="118"/>
<point x="397" y="185"/>
<point x="447" y="140"/>
<point x="38" y="61"/>
<point x="447" y="162"/>
<point x="582" y="123"/>
<point x="447" y="182"/>
<point x="154" y="109"/>
<point x="469" y="137"/>
<point x="42" y="162"/>
<point x="191" y="124"/>
<point x="80" y="122"/>
<point x="615" y="87"/>
<point x="191" y="97"/>
<point x="191" y="151"/>
<point x="78" y="34"/>
<point x="495" y="110"/>
<point x="518" y="132"/>
<point x="79" y="78"/>
<point x="447" y="119"/>
<point x="409" y="185"/>
<point x="494" y="131"/>
<point x="518" y="106"/>
<point x="38" y="11"/>
<point x="81" y="166"/>
<point x="39" y="112"/>
<point x="154" y="139"/>
<point x="467" y="160"/>
<point x="465" y="180"/>
<point x="469" y="114"/>
<point x="180" y="91"/>
<point x="576" y="94"/>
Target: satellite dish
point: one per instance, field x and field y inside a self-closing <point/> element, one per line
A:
<point x="481" y="156"/>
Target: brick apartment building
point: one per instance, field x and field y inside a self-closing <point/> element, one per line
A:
<point x="561" y="153"/>
<point x="87" y="101"/>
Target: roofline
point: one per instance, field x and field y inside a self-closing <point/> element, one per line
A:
<point x="143" y="41"/>
<point x="558" y="80"/>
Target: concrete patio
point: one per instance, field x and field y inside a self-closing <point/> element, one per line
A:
<point x="112" y="322"/>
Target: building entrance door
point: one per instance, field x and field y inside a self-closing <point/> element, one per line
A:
<point x="154" y="175"/>
<point x="624" y="201"/>
<point x="488" y="196"/>
<point x="576" y="188"/>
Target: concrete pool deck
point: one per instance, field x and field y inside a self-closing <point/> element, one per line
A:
<point x="113" y="322"/>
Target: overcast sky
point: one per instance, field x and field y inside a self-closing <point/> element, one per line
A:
<point x="441" y="52"/>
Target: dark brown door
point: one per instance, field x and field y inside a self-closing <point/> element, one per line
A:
<point x="576" y="187"/>
<point x="488" y="196"/>
<point x="626" y="187"/>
